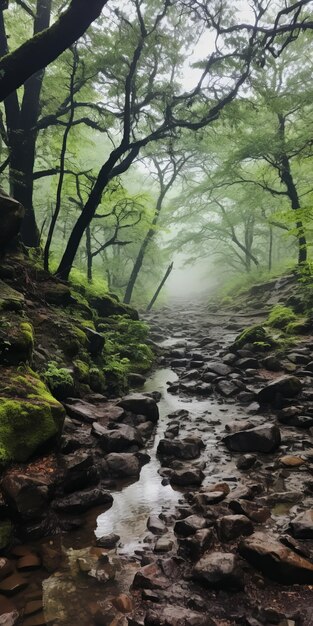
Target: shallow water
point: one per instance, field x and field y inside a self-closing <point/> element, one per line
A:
<point x="133" y="504"/>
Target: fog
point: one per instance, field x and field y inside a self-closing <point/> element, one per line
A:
<point x="191" y="278"/>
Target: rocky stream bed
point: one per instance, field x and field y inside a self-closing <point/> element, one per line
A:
<point x="187" y="503"/>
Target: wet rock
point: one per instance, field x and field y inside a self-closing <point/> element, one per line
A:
<point x="117" y="440"/>
<point x="185" y="449"/>
<point x="89" y="413"/>
<point x="28" y="563"/>
<point x="108" y="541"/>
<point x="227" y="388"/>
<point x="180" y="414"/>
<point x="220" y="570"/>
<point x="123" y="603"/>
<point x="189" y="525"/>
<point x="251" y="510"/>
<point x="291" y="461"/>
<point x="176" y="616"/>
<point x="247" y="363"/>
<point x="231" y="527"/>
<point x="13" y="584"/>
<point x="285" y="386"/>
<point x="81" y="501"/>
<point x="32" y="607"/>
<point x="150" y="577"/>
<point x="220" y="369"/>
<point x="188" y="476"/>
<point x="265" y="438"/>
<point x="163" y="544"/>
<point x="276" y="561"/>
<point x="302" y="525"/>
<point x="194" y="546"/>
<point x="8" y="612"/>
<point x="271" y="363"/>
<point x="155" y="525"/>
<point x="123" y="465"/>
<point x="246" y="461"/>
<point x="27" y="495"/>
<point x="136" y="380"/>
<point x="141" y="405"/>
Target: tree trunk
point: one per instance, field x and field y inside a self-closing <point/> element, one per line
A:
<point x="38" y="52"/>
<point x="142" y="251"/>
<point x="89" y="254"/>
<point x="162" y="283"/>
<point x="270" y="250"/>
<point x="21" y="123"/>
<point x="287" y="179"/>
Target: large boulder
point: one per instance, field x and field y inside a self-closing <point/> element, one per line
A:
<point x="11" y="216"/>
<point x="10" y="299"/>
<point x="108" y="305"/>
<point x="123" y="465"/>
<point x="16" y="343"/>
<point x="185" y="449"/>
<point x="275" y="560"/>
<point x="117" y="440"/>
<point x="219" y="570"/>
<point x="285" y="386"/>
<point x="81" y="501"/>
<point x="29" y="415"/>
<point x="27" y="495"/>
<point x="141" y="405"/>
<point x="265" y="438"/>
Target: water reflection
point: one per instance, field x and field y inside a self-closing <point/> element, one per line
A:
<point x="133" y="505"/>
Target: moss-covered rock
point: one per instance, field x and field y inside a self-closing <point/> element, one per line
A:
<point x="16" y="342"/>
<point x="56" y="293"/>
<point x="29" y="415"/>
<point x="59" y="380"/>
<point x="108" y="305"/>
<point x="302" y="326"/>
<point x="256" y="335"/>
<point x="280" y="316"/>
<point x="10" y="299"/>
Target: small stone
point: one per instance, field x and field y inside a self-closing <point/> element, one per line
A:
<point x="123" y="603"/>
<point x="231" y="527"/>
<point x="189" y="525"/>
<point x="302" y="525"/>
<point x="246" y="461"/>
<point x="219" y="569"/>
<point x="291" y="461"/>
<point x="163" y="545"/>
<point x="108" y="541"/>
<point x="150" y="577"/>
<point x="155" y="525"/>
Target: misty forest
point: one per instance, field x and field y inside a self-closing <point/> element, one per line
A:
<point x="156" y="323"/>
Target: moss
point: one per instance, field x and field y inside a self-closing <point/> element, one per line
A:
<point x="97" y="380"/>
<point x="280" y="316"/>
<point x="74" y="340"/>
<point x="29" y="415"/>
<point x="81" y="371"/>
<point x="256" y="335"/>
<point x="16" y="342"/>
<point x="302" y="326"/>
<point x="59" y="380"/>
<point x="88" y="324"/>
<point x="125" y="339"/>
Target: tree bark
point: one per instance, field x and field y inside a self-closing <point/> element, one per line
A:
<point x="287" y="179"/>
<point x="89" y="254"/>
<point x="162" y="283"/>
<point x="36" y="53"/>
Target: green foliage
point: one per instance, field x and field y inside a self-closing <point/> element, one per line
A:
<point x="256" y="335"/>
<point x="280" y="316"/>
<point x="56" y="376"/>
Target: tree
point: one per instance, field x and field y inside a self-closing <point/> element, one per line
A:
<point x="44" y="47"/>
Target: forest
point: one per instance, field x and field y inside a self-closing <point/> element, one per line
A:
<point x="156" y="327"/>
